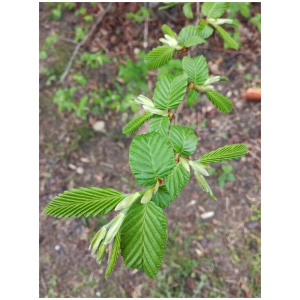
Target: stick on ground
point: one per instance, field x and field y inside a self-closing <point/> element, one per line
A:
<point x="99" y="19"/>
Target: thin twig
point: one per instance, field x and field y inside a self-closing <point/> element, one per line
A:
<point x="67" y="40"/>
<point x="99" y="19"/>
<point x="197" y="13"/>
<point x="145" y="30"/>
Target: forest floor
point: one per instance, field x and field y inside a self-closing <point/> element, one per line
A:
<point x="213" y="257"/>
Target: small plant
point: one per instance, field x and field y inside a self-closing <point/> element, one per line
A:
<point x="133" y="75"/>
<point x="161" y="160"/>
<point x="140" y="15"/>
<point x="94" y="60"/>
<point x="226" y="176"/>
<point x="256" y="20"/>
<point x="242" y="7"/>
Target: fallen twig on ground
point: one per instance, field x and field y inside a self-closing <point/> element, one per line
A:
<point x="99" y="19"/>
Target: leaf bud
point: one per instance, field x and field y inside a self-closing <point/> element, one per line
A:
<point x="184" y="163"/>
<point x="156" y="111"/>
<point x="170" y="41"/>
<point x="211" y="79"/>
<point x="127" y="201"/>
<point x="99" y="236"/>
<point x="101" y="252"/>
<point x="199" y="168"/>
<point x="147" y="196"/>
<point x="144" y="101"/>
<point x="115" y="226"/>
<point x="204" y="185"/>
<point x="219" y="21"/>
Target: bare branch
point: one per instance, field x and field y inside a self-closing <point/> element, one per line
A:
<point x="99" y="19"/>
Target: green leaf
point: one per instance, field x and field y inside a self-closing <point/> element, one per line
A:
<point x="223" y="78"/>
<point x="227" y="38"/>
<point x="168" y="5"/>
<point x="79" y="78"/>
<point x="159" y="124"/>
<point x="167" y="30"/>
<point x="192" y="97"/>
<point x="219" y="101"/>
<point x="190" y="36"/>
<point x="135" y="123"/>
<point x="150" y="157"/>
<point x="43" y="55"/>
<point x="162" y="198"/>
<point x="256" y="20"/>
<point x="113" y="255"/>
<point x="213" y="9"/>
<point x="225" y="153"/>
<point x="177" y="181"/>
<point x="169" y="91"/>
<point x="174" y="184"/>
<point x="205" y="29"/>
<point x="183" y="139"/>
<point x="196" y="69"/>
<point x="143" y="238"/>
<point x="187" y="10"/>
<point x="159" y="56"/>
<point x="84" y="202"/>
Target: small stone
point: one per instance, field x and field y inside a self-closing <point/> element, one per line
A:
<point x="99" y="126"/>
<point x="207" y="215"/>
<point x="79" y="170"/>
<point x="85" y="160"/>
<point x="72" y="167"/>
<point x="193" y="202"/>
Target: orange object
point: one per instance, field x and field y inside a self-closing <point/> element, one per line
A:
<point x="253" y="94"/>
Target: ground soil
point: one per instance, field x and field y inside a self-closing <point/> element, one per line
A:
<point x="214" y="257"/>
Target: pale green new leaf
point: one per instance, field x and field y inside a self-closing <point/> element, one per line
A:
<point x="177" y="181"/>
<point x="213" y="9"/>
<point x="159" y="124"/>
<point x="143" y="238"/>
<point x="150" y="157"/>
<point x="225" y="153"/>
<point x="231" y="43"/>
<point x="135" y="123"/>
<point x="183" y="139"/>
<point x="196" y="68"/>
<point x="167" y="30"/>
<point x="113" y="255"/>
<point x="169" y="91"/>
<point x="187" y="10"/>
<point x="159" y="56"/>
<point x="84" y="202"/>
<point x="190" y="36"/>
<point x="205" y="29"/>
<point x="204" y="185"/>
<point x="192" y="97"/>
<point x="219" y="101"/>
